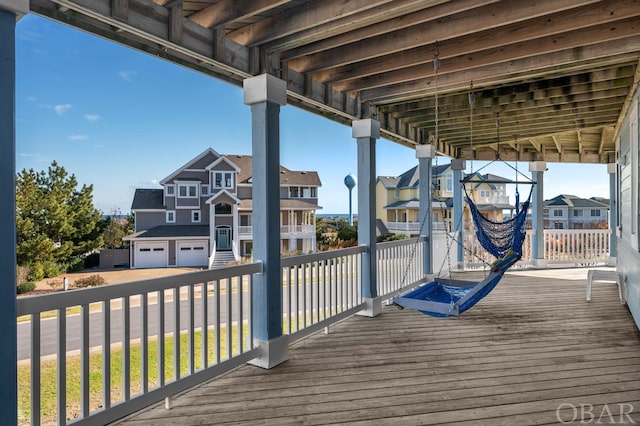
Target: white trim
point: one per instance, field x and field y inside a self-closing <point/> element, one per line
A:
<point x="220" y="193"/>
<point x="166" y="217"/>
<point x="199" y="213"/>
<point x="148" y="210"/>
<point x="187" y="184"/>
<point x="220" y="160"/>
<point x="166" y="190"/>
<point x="213" y="178"/>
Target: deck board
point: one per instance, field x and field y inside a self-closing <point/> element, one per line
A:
<point x="532" y="345"/>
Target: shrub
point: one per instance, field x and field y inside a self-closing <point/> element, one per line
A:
<point x="90" y="281"/>
<point x="52" y="269"/>
<point x="25" y="287"/>
<point x="347" y="233"/>
<point x="75" y="265"/>
<point x="36" y="272"/>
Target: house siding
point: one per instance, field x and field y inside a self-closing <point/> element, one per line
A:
<point x="147" y="220"/>
<point x="628" y="255"/>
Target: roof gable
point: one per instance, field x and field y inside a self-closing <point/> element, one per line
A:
<point x="209" y="152"/>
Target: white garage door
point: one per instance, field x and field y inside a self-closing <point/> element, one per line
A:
<point x="151" y="255"/>
<point x="192" y="253"/>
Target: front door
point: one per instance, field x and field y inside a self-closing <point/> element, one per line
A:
<point x="223" y="237"/>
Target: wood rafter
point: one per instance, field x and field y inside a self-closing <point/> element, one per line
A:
<point x="561" y="73"/>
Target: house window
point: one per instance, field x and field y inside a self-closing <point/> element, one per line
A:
<point x="294" y="192"/>
<point x="595" y="213"/>
<point x="204" y="190"/>
<point x="171" y="216"/>
<point x="169" y="190"/>
<point x="195" y="215"/>
<point x="245" y="220"/>
<point x="187" y="190"/>
<point x="577" y="213"/>
<point x="449" y="183"/>
<point x="485" y="194"/>
<point x="557" y="213"/>
<point x="397" y="193"/>
<point x="223" y="208"/>
<point x="223" y="179"/>
<point x="314" y="192"/>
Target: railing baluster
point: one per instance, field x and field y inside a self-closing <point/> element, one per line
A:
<point x="239" y="314"/>
<point x="35" y="369"/>
<point x="144" y="343"/>
<point x="216" y="330"/>
<point x="161" y="365"/>
<point x="229" y="317"/>
<point x="126" y="349"/>
<point x="106" y="354"/>
<point x="62" y="366"/>
<point x="250" y="313"/>
<point x="176" y="333"/>
<point x="84" y="366"/>
<point x="191" y="345"/>
<point x="205" y="324"/>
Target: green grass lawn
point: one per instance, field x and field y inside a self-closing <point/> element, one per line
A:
<point x="49" y="374"/>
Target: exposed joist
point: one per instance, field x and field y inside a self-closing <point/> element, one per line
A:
<point x="307" y="15"/>
<point x="225" y="11"/>
<point x="466" y="22"/>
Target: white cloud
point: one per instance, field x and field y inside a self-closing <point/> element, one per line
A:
<point x="127" y="75"/>
<point x="92" y="117"/>
<point x="62" y="108"/>
<point x="78" y="138"/>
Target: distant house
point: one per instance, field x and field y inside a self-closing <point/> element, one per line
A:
<point x="202" y="214"/>
<point x="397" y="199"/>
<point x="571" y="212"/>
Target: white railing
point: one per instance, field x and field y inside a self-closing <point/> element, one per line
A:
<point x="141" y="342"/>
<point x="561" y="247"/>
<point x="400" y="265"/>
<point x="576" y="246"/>
<point x="284" y="229"/>
<point x="319" y="289"/>
<point x="494" y="199"/>
<point x="414" y="226"/>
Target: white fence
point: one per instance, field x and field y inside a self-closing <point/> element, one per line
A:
<point x="570" y="247"/>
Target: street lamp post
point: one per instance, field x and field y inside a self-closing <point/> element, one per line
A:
<point x="350" y="182"/>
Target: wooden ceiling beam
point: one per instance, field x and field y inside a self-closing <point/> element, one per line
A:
<point x="457" y="25"/>
<point x="307" y="15"/>
<point x="367" y="23"/>
<point x="545" y="26"/>
<point x="511" y="52"/>
<point x="223" y="12"/>
<point x="540" y="66"/>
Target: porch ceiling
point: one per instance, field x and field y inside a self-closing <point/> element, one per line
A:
<point x="557" y="73"/>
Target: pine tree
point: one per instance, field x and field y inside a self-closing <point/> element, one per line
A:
<point x="55" y="221"/>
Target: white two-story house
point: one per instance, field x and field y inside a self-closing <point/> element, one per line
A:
<point x="202" y="214"/>
<point x="571" y="212"/>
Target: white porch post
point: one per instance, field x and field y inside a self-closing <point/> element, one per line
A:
<point x="425" y="155"/>
<point x="266" y="94"/>
<point x="212" y="228"/>
<point x="537" y="169"/>
<point x="612" y="169"/>
<point x="10" y="11"/>
<point x="366" y="132"/>
<point x="458" y="167"/>
<point x="236" y="231"/>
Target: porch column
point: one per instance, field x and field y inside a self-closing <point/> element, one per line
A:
<point x="537" y="169"/>
<point x="10" y="12"/>
<point x="458" y="167"/>
<point x="235" y="241"/>
<point x="366" y="132"/>
<point x="612" y="169"/>
<point x="425" y="155"/>
<point x="266" y="94"/>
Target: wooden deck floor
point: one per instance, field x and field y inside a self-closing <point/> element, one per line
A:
<point x="532" y="346"/>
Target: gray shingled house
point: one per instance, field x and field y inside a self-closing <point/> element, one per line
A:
<point x="202" y="214"/>
<point x="571" y="212"/>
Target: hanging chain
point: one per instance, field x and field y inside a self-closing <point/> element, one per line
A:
<point x="472" y="102"/>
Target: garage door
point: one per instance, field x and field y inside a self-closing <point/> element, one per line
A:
<point x="151" y="255"/>
<point x="192" y="253"/>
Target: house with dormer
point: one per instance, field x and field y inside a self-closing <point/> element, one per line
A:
<point x="202" y="214"/>
<point x="398" y="205"/>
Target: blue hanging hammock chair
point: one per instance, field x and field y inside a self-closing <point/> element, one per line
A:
<point x="447" y="297"/>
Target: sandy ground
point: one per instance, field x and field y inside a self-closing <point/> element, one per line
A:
<point x="112" y="276"/>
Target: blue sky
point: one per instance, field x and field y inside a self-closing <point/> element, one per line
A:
<point x="120" y="119"/>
